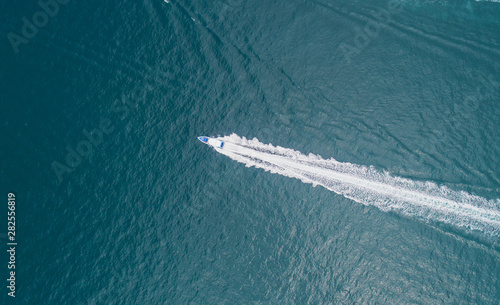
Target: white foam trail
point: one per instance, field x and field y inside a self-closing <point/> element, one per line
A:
<point x="368" y="186"/>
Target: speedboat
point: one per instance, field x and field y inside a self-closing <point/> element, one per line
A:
<point x="212" y="142"/>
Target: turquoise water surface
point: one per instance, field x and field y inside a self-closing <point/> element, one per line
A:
<point x="117" y="202"/>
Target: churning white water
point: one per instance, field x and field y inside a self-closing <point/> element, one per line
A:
<point x="368" y="186"/>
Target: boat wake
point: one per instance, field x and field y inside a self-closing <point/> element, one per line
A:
<point x="423" y="200"/>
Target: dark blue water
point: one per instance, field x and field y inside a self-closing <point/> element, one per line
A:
<point x="145" y="214"/>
